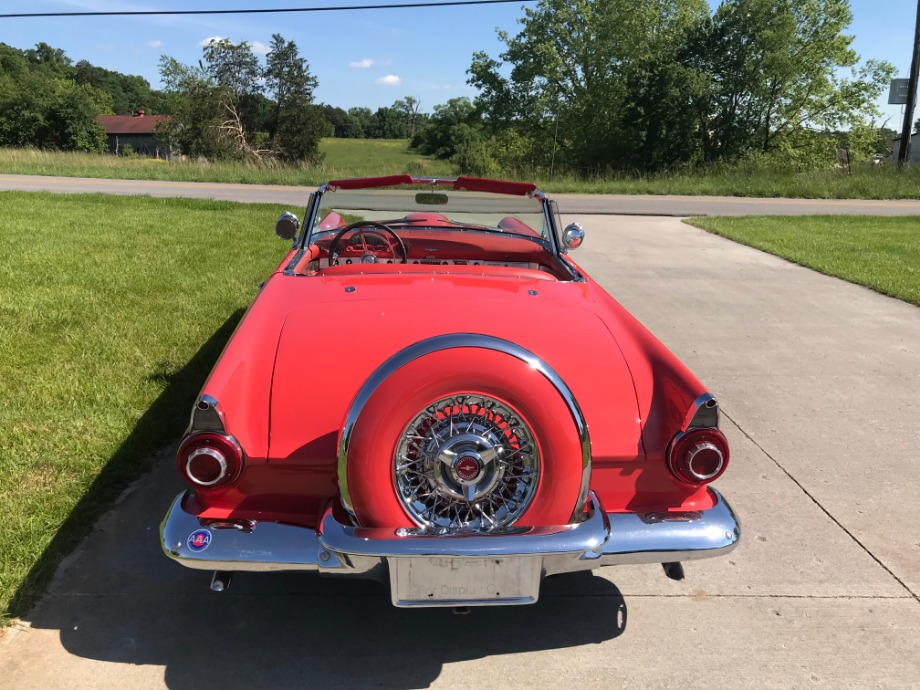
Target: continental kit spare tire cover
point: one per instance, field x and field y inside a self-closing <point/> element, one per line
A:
<point x="464" y="432"/>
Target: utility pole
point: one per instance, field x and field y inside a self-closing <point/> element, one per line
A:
<point x="911" y="94"/>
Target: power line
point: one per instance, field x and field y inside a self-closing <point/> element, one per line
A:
<point x="262" y="10"/>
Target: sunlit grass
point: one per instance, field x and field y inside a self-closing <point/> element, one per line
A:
<point x="370" y="157"/>
<point x="864" y="182"/>
<point x="103" y="302"/>
<point x="344" y="158"/>
<point x="879" y="253"/>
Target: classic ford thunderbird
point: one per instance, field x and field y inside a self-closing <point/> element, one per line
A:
<point x="428" y="391"/>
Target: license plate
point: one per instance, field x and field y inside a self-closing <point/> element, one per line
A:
<point x="446" y="581"/>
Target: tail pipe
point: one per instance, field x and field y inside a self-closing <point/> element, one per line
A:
<point x="220" y="581"/>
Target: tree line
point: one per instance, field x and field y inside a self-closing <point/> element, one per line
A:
<point x="650" y="85"/>
<point x="48" y="101"/>
<point x="228" y="105"/>
<point x="622" y="85"/>
<point x="647" y="85"/>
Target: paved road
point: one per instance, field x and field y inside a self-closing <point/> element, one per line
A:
<point x="598" y="204"/>
<point x="817" y="380"/>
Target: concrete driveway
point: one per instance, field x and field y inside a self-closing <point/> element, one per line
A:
<point x="819" y="383"/>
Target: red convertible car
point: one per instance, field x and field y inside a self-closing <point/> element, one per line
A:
<point x="429" y="392"/>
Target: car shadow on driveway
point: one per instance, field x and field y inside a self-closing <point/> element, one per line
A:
<point x="120" y="600"/>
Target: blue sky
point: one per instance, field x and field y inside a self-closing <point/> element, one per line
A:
<point x="368" y="58"/>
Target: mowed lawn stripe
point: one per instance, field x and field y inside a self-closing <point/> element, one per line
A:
<point x="878" y="253"/>
<point x="103" y="303"/>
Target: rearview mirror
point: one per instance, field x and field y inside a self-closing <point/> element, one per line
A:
<point x="287" y="225"/>
<point x="431" y="199"/>
<point x="573" y="236"/>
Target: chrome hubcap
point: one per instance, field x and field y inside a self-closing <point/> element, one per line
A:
<point x="466" y="462"/>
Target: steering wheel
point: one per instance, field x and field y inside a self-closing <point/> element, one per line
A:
<point x="359" y="226"/>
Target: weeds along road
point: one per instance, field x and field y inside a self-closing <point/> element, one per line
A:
<point x="593" y="204"/>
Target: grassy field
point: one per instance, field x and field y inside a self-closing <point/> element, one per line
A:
<point x="112" y="311"/>
<point x="865" y="182"/>
<point x="879" y="253"/>
<point x="344" y="158"/>
<point x="360" y="157"/>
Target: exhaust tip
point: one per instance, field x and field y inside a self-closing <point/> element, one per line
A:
<point x="220" y="581"/>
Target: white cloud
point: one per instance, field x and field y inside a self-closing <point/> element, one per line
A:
<point x="156" y="43"/>
<point x="210" y="39"/>
<point x="389" y="80"/>
<point x="361" y="64"/>
<point x="260" y="48"/>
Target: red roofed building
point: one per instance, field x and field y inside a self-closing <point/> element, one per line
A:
<point x="136" y="131"/>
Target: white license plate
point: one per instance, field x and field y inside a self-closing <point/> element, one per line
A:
<point x="451" y="581"/>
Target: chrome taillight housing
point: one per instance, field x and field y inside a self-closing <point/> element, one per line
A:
<point x="209" y="460"/>
<point x="698" y="456"/>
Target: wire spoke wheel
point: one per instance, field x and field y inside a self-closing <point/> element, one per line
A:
<point x="466" y="463"/>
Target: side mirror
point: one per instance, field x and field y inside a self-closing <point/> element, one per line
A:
<point x="573" y="236"/>
<point x="287" y="225"/>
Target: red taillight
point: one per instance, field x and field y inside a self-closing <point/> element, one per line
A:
<point x="698" y="456"/>
<point x="209" y="461"/>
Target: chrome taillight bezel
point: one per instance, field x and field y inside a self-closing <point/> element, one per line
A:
<point x="687" y="445"/>
<point x="215" y="445"/>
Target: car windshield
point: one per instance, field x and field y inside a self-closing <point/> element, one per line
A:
<point x="434" y="210"/>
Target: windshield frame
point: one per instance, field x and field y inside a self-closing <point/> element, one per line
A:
<point x="310" y="226"/>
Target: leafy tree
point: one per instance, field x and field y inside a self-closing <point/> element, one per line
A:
<point x="408" y="110"/>
<point x="129" y="93"/>
<point x="884" y="137"/>
<point x="576" y="68"/>
<point x="195" y="103"/>
<point x="442" y="135"/>
<point x="45" y="56"/>
<point x="772" y="72"/>
<point x="646" y="84"/>
<point x="231" y="106"/>
<point x="338" y="119"/>
<point x="387" y="123"/>
<point x="41" y="106"/>
<point x="360" y="122"/>
<point x="234" y="69"/>
<point x="296" y="125"/>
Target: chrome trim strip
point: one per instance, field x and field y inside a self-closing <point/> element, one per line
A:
<point x="207" y="415"/>
<point x="703" y="415"/>
<point x="310" y="216"/>
<point x="604" y="539"/>
<point x="452" y="341"/>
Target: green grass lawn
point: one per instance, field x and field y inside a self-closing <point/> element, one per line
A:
<point x="112" y="311"/>
<point x="344" y="158"/>
<point x="879" y="253"/>
<point x="865" y="182"/>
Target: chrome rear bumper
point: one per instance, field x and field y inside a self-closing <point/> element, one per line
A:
<point x="336" y="549"/>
